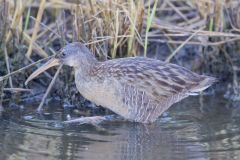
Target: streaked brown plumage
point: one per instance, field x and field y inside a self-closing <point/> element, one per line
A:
<point x="139" y="89"/>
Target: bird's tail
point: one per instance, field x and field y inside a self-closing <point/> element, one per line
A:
<point x="204" y="84"/>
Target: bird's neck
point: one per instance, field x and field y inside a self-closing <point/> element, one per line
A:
<point x="84" y="63"/>
<point x="84" y="69"/>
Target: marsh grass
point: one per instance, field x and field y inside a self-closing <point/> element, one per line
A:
<point x="201" y="34"/>
<point x="150" y="16"/>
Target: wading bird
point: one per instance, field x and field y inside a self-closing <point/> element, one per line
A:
<point x="137" y="88"/>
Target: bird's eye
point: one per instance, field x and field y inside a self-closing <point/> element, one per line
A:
<point x="64" y="54"/>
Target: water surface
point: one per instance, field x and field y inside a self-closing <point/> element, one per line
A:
<point x="196" y="128"/>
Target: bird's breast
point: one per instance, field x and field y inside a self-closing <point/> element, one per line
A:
<point x="103" y="93"/>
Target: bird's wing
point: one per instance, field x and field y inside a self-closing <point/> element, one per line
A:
<point x="150" y="82"/>
<point x="156" y="78"/>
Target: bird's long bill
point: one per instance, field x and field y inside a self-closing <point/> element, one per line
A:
<point x="52" y="62"/>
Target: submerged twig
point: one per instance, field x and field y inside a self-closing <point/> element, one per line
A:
<point x="1" y="96"/>
<point x="1" y="109"/>
<point x="17" y="89"/>
<point x="95" y="120"/>
<point x="49" y="89"/>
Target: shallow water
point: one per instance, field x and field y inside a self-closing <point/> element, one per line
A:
<point x="196" y="128"/>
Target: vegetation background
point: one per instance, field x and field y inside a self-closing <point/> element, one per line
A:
<point x="202" y="35"/>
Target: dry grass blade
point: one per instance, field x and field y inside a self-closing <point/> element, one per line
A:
<point x="196" y="42"/>
<point x="21" y="69"/>
<point x="8" y="66"/>
<point x="35" y="46"/>
<point x="175" y="52"/>
<point x="115" y="45"/>
<point x="178" y="12"/>
<point x="17" y="18"/>
<point x="133" y="19"/>
<point x="39" y="109"/>
<point x="36" y="27"/>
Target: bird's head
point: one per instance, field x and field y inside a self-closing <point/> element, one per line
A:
<point x="75" y="54"/>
